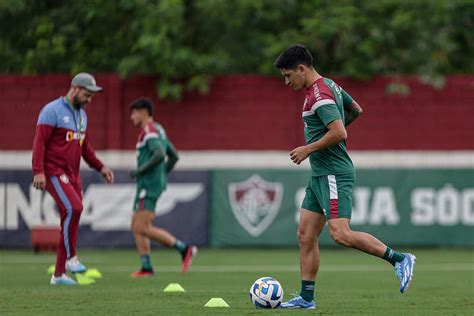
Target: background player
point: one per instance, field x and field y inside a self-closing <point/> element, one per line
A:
<point x="60" y="140"/>
<point x="327" y="110"/>
<point x="156" y="158"/>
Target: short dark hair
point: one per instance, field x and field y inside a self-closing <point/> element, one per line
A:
<point x="293" y="56"/>
<point x="143" y="103"/>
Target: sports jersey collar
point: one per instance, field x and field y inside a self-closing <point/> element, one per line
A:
<point x="320" y="78"/>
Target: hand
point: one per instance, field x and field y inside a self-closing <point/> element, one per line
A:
<point x="39" y="181"/>
<point x="107" y="174"/>
<point x="299" y="154"/>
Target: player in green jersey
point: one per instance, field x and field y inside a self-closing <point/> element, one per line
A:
<point x="156" y="157"/>
<point x="327" y="110"/>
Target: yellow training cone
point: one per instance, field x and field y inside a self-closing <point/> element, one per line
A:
<point x="83" y="280"/>
<point x="51" y="269"/>
<point x="93" y="274"/>
<point x="174" y="287"/>
<point x="216" y="302"/>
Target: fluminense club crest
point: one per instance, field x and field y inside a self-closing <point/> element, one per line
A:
<point x="255" y="203"/>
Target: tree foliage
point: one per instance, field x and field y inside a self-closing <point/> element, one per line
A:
<point x="185" y="42"/>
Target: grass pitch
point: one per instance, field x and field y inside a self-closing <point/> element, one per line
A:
<point x="349" y="283"/>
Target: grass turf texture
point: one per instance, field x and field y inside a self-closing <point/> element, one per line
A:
<point x="349" y="282"/>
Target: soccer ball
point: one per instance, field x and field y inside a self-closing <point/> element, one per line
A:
<point x="266" y="292"/>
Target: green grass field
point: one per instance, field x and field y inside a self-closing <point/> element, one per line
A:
<point x="349" y="283"/>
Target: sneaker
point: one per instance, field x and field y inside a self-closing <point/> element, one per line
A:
<point x="189" y="253"/>
<point x="404" y="271"/>
<point x="142" y="273"/>
<point x="62" y="280"/>
<point x="74" y="266"/>
<point x="298" y="302"/>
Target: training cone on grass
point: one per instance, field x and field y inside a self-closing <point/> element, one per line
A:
<point x="216" y="302"/>
<point x="174" y="287"/>
<point x="51" y="269"/>
<point x="93" y="274"/>
<point x="83" y="280"/>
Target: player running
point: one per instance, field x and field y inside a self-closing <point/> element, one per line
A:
<point x="327" y="109"/>
<point x="156" y="158"/>
<point x="60" y="141"/>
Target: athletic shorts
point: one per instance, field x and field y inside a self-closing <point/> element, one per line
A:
<point x="147" y="196"/>
<point x="331" y="195"/>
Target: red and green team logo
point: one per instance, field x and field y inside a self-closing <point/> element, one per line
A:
<point x="255" y="203"/>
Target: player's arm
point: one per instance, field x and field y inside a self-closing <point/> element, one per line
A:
<point x="352" y="109"/>
<point x="172" y="157"/>
<point x="88" y="153"/>
<point x="42" y="136"/>
<point x="158" y="154"/>
<point x="44" y="130"/>
<point x="335" y="134"/>
<point x="352" y="112"/>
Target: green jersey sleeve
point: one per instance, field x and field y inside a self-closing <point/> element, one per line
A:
<point x="156" y="144"/>
<point x="328" y="113"/>
<point x="346" y="98"/>
<point x="171" y="150"/>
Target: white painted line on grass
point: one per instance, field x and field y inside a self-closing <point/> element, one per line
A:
<point x="294" y="268"/>
<point x="382" y="267"/>
<point x="274" y="268"/>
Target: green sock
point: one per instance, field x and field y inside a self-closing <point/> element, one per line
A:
<point x="392" y="256"/>
<point x="180" y="246"/>
<point x="307" y="290"/>
<point x="146" y="263"/>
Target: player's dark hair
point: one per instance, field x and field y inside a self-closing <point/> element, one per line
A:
<point x="143" y="103"/>
<point x="293" y="56"/>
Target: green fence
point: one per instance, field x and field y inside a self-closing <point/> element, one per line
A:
<point x="399" y="206"/>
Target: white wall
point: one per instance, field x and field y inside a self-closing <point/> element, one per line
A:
<point x="197" y="160"/>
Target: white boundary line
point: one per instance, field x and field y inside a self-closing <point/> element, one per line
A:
<point x="263" y="268"/>
<point x="216" y="159"/>
<point x="294" y="268"/>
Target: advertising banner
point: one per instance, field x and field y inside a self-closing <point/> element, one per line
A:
<point x="105" y="221"/>
<point x="405" y="207"/>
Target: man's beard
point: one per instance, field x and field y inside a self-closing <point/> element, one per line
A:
<point x="78" y="104"/>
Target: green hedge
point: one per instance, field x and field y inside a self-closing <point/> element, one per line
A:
<point x="185" y="42"/>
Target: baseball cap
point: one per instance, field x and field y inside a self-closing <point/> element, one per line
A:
<point x="86" y="81"/>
